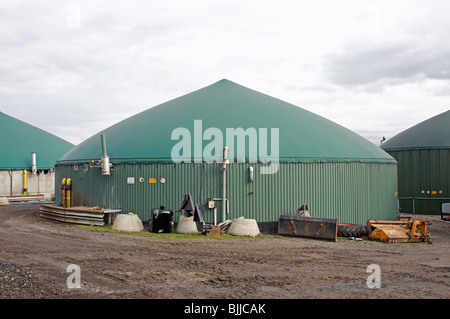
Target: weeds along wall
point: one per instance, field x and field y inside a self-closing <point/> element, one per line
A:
<point x="352" y="192"/>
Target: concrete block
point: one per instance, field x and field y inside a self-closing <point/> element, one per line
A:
<point x="187" y="225"/>
<point x="244" y="227"/>
<point x="128" y="222"/>
<point x="3" y="201"/>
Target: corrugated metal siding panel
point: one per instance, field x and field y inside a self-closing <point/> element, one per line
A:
<point x="427" y="170"/>
<point x="351" y="192"/>
<point x="93" y="189"/>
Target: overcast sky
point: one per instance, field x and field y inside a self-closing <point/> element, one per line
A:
<point x="74" y="68"/>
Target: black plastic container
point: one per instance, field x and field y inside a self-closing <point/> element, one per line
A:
<point x="161" y="220"/>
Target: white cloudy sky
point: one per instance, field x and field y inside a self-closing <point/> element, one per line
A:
<point x="74" y="68"/>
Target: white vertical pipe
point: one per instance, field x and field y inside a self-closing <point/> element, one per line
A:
<point x="224" y="188"/>
<point x="33" y="163"/>
<point x="105" y="157"/>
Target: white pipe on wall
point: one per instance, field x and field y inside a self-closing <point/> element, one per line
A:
<point x="224" y="188"/>
<point x="33" y="163"/>
<point x="105" y="157"/>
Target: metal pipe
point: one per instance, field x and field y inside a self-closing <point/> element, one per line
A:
<point x="425" y="198"/>
<point x="33" y="163"/>
<point x="215" y="209"/>
<point x="68" y="192"/>
<point x="103" y="145"/>
<point x="11" y="182"/>
<point x="24" y="182"/>
<point x="63" y="187"/>
<point x="105" y="158"/>
<point x="224" y="186"/>
<point x="421" y="198"/>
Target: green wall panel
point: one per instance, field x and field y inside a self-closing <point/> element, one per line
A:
<point x="352" y="192"/>
<point x="420" y="174"/>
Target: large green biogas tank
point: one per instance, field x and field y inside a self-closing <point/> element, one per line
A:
<point x="280" y="156"/>
<point x="423" y="156"/>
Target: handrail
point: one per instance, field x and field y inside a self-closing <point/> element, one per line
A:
<point x="421" y="198"/>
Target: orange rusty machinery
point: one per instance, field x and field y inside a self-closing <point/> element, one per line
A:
<point x="398" y="231"/>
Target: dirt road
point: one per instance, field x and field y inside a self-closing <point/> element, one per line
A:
<point x="35" y="254"/>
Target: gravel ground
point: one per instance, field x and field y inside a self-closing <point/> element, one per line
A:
<point x="35" y="254"/>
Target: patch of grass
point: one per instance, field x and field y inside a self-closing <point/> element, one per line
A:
<point x="163" y="236"/>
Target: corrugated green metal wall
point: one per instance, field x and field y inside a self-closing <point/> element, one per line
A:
<point x="352" y="192"/>
<point x="423" y="170"/>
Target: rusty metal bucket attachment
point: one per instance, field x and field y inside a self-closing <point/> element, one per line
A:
<point x="309" y="227"/>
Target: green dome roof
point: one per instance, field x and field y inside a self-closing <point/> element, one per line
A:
<point x="19" y="139"/>
<point x="433" y="133"/>
<point x="303" y="136"/>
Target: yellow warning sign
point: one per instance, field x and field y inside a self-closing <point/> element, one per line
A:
<point x="152" y="180"/>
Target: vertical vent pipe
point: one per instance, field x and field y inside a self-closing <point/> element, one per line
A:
<point x="33" y="163"/>
<point x="224" y="186"/>
<point x="105" y="158"/>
